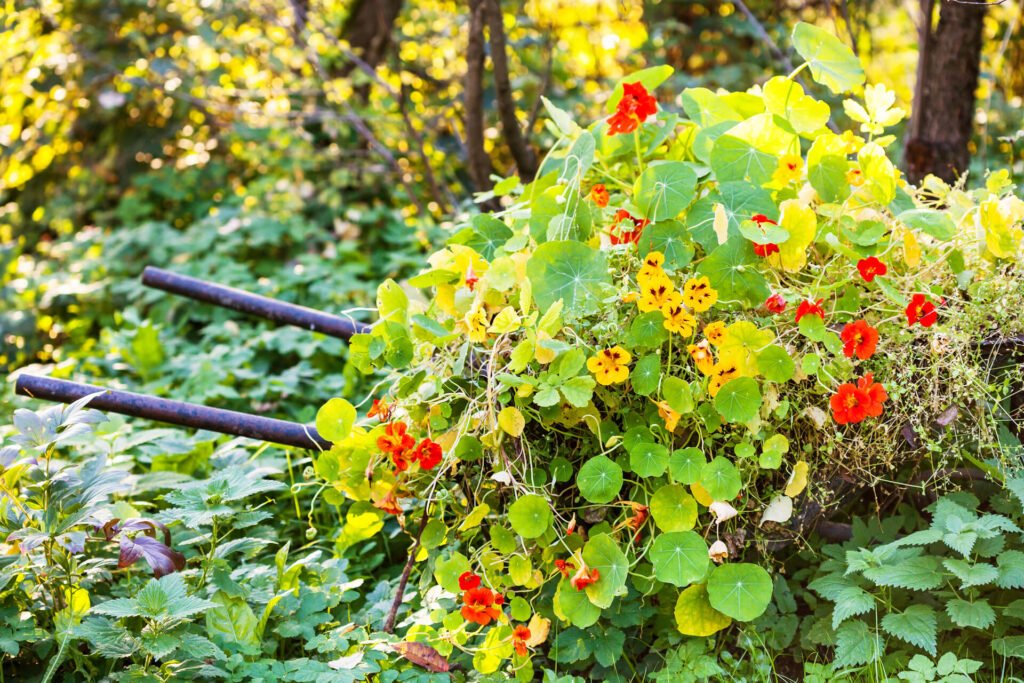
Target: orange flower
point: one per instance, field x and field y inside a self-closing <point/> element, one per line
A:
<point x="428" y="453"/>
<point x="809" y="307"/>
<point x="859" y="338"/>
<point x="585" y="577"/>
<point x="633" y="109"/>
<point x="630" y="236"/>
<point x="389" y="503"/>
<point x="380" y="410"/>
<point x="396" y="443"/>
<point x="854" y="403"/>
<point x="599" y="195"/>
<point x="471" y="277"/>
<point x="920" y="310"/>
<point x="870" y="268"/>
<point x="520" y="635"/>
<point x="775" y="303"/>
<point x="480" y="605"/>
<point x="701" y="355"/>
<point x="564" y="567"/>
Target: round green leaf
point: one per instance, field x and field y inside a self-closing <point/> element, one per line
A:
<point x="677" y="394"/>
<point x="739" y="399"/>
<point x="646" y="374"/>
<point x="603" y="554"/>
<point x="647" y="331"/>
<point x="571" y="271"/>
<point x="574" y="606"/>
<point x="648" y="459"/>
<point x="672" y="239"/>
<point x="599" y="480"/>
<point x="335" y="419"/>
<point x="635" y="436"/>
<point x="662" y="191"/>
<point x="530" y="516"/>
<point x="685" y="465"/>
<point x="721" y="479"/>
<point x="679" y="557"/>
<point x="731" y="270"/>
<point x="938" y="224"/>
<point x="741" y="591"/>
<point x="448" y="570"/>
<point x="673" y="508"/>
<point x="832" y="63"/>
<point x="469" y="448"/>
<point x="775" y="363"/>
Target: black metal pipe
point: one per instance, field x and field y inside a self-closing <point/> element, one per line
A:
<point x="173" y="412"/>
<point x="253" y="304"/>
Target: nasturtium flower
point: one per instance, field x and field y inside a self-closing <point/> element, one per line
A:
<point x="468" y="581"/>
<point x="766" y="250"/>
<point x="564" y="567"/>
<point x="633" y="109"/>
<point x="599" y="195"/>
<point x="701" y="355"/>
<point x="389" y="503"/>
<point x="616" y="236"/>
<point x="651" y="269"/>
<point x="475" y="324"/>
<point x="790" y="169"/>
<point x="859" y="339"/>
<point x="670" y="416"/>
<point x="870" y="268"/>
<point x="775" y="303"/>
<point x="481" y="605"/>
<point x="920" y="310"/>
<point x="808" y="307"/>
<point x="678" y="319"/>
<point x="380" y="410"/>
<point x="520" y="635"/>
<point x="715" y="332"/>
<point x="852" y="141"/>
<point x="724" y="370"/>
<point x="397" y="443"/>
<point x="855" y="177"/>
<point x="853" y="403"/>
<point x="656" y="294"/>
<point x="718" y="552"/>
<point x="428" y="454"/>
<point x="699" y="295"/>
<point x="585" y="577"/>
<point x="610" y="366"/>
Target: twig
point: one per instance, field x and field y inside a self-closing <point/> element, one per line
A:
<point x="525" y="158"/>
<point x="389" y="623"/>
<point x="545" y="83"/>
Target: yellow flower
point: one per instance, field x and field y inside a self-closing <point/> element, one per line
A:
<point x="701" y="355"/>
<point x="791" y="168"/>
<point x="853" y="142"/>
<point x="723" y="371"/>
<point x="610" y="366"/>
<point x="699" y="295"/>
<point x="855" y="177"/>
<point x="670" y="416"/>
<point x="715" y="332"/>
<point x="679" y="320"/>
<point x="475" y="325"/>
<point x="630" y="297"/>
<point x="651" y="269"/>
<point x="654" y="295"/>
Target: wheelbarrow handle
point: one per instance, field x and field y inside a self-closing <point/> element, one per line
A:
<point x="173" y="412"/>
<point x="252" y="304"/>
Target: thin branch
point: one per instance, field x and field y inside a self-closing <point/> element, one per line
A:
<point x="389" y="623"/>
<point x="545" y="83"/>
<point x="525" y="158"/>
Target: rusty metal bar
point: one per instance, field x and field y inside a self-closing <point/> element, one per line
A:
<point x="253" y="304"/>
<point x="173" y="412"/>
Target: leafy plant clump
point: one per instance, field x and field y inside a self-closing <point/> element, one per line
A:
<point x="608" y="399"/>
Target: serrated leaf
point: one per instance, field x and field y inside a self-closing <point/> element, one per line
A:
<point x="915" y="625"/>
<point x="856" y="644"/>
<point x="1011" y="569"/>
<point x="971" y="574"/>
<point x="978" y="614"/>
<point x="916" y="573"/>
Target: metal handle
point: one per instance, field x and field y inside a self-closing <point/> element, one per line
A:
<point x="253" y="304"/>
<point x="173" y="412"/>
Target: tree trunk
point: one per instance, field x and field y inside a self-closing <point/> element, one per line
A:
<point x="479" y="163"/>
<point x="368" y="30"/>
<point x="942" y="120"/>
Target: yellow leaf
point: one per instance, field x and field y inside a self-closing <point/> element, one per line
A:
<point x="701" y="494"/>
<point x="802" y="225"/>
<point x="911" y="249"/>
<point x="542" y="354"/>
<point x="506" y="321"/>
<point x="798" y="480"/>
<point x="539" y="628"/>
<point x="694" y="614"/>
<point x="721" y="224"/>
<point x="511" y="421"/>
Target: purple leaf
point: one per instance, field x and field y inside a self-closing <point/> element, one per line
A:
<point x="162" y="559"/>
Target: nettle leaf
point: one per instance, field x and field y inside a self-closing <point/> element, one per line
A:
<point x="856" y="644"/>
<point x="530" y="516"/>
<point x="721" y="479"/>
<point x="971" y="574"/>
<point x="672" y="239"/>
<point x="1011" y="569"/>
<point x="106" y="638"/>
<point x="739" y="400"/>
<point x="673" y="508"/>
<point x="603" y="554"/>
<point x="741" y="591"/>
<point x="648" y="459"/>
<point x="663" y="190"/>
<point x="694" y="614"/>
<point x="916" y="573"/>
<point x="915" y="625"/>
<point x="679" y="557"/>
<point x="731" y="271"/>
<point x="685" y="465"/>
<point x="978" y="614"/>
<point x="571" y="272"/>
<point x="832" y="63"/>
<point x="599" y="480"/>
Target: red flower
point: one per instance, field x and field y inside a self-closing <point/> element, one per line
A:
<point x="480" y="605"/>
<point x="859" y="338"/>
<point x="633" y="109"/>
<point x="764" y="250"/>
<point x="761" y="219"/>
<point x="870" y="267"/>
<point x="564" y="567"/>
<point x="380" y="410"/>
<point x="468" y="581"/>
<point x="520" y="635"/>
<point x="428" y="454"/>
<point x="808" y="307"/>
<point x="631" y="236"/>
<point x="775" y="303"/>
<point x="853" y="403"/>
<point x="397" y="444"/>
<point x="585" y="577"/>
<point x="471" y="277"/>
<point x="640" y="515"/>
<point x="920" y="310"/>
<point x="599" y="195"/>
